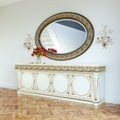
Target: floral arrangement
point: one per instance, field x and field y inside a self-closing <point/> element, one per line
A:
<point x="38" y="52"/>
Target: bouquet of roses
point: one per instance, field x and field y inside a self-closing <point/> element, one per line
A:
<point x="39" y="52"/>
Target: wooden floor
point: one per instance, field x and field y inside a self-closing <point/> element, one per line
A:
<point x="23" y="107"/>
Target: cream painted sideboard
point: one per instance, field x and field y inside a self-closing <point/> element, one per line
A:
<point x="78" y="83"/>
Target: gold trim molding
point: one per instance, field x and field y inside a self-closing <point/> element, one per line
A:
<point x="50" y="67"/>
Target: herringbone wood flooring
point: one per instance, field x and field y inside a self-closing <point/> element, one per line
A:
<point x="24" y="107"/>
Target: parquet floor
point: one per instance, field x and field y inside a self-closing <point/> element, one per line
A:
<point x="24" y="107"/>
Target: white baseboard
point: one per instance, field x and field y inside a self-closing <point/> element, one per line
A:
<point x="12" y="86"/>
<point x="114" y="100"/>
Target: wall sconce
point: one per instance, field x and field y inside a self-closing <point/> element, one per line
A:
<point x="28" y="42"/>
<point x="104" y="39"/>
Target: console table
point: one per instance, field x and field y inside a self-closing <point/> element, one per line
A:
<point x="78" y="83"/>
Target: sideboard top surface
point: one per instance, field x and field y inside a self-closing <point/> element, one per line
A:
<point x="62" y="67"/>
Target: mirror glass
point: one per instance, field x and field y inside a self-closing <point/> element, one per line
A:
<point x="65" y="35"/>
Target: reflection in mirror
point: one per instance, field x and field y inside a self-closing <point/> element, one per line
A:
<point x="64" y="35"/>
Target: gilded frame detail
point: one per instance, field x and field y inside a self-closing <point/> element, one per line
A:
<point x="67" y="15"/>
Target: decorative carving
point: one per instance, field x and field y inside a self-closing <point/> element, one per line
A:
<point x="77" y="68"/>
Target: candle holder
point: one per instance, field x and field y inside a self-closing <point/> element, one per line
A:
<point x="28" y="42"/>
<point x="104" y="38"/>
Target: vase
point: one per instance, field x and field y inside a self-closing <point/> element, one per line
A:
<point x="38" y="60"/>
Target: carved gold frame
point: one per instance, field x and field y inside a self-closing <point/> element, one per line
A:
<point x="67" y="15"/>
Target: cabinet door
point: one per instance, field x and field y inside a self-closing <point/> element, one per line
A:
<point x="81" y="86"/>
<point x="26" y="81"/>
<point x="42" y="82"/>
<point x="60" y="84"/>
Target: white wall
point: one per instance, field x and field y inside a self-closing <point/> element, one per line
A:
<point x="17" y="20"/>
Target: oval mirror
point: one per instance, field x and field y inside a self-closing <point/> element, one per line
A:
<point x="65" y="35"/>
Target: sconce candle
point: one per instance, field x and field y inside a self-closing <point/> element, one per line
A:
<point x="28" y="42"/>
<point x="104" y="38"/>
